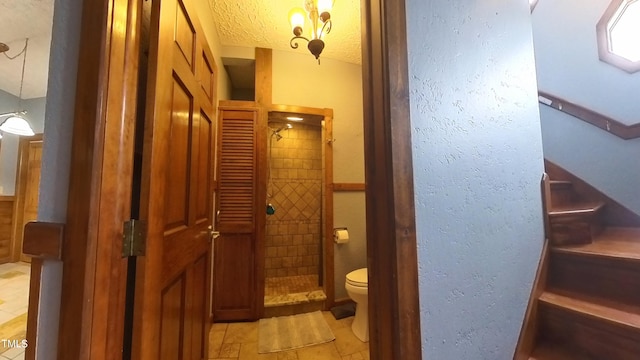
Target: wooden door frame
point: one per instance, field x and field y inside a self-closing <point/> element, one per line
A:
<point x="20" y="193"/>
<point x="394" y="312"/>
<point x="93" y="281"/>
<point x="99" y="200"/>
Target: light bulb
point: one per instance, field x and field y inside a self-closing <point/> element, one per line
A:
<point x="296" y="19"/>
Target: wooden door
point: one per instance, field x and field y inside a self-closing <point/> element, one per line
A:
<point x="171" y="313"/>
<point x="238" y="290"/>
<point x="27" y="191"/>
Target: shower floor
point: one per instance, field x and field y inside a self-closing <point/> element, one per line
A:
<point x="291" y="290"/>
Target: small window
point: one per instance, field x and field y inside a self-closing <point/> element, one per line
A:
<point x="619" y="35"/>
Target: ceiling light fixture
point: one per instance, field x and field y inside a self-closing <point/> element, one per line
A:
<point x="294" y="118"/>
<point x="16" y="123"/>
<point x="319" y="13"/>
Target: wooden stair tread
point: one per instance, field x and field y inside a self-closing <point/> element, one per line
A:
<point x="560" y="183"/>
<point x="546" y="351"/>
<point x="586" y="207"/>
<point x="613" y="315"/>
<point x="613" y="242"/>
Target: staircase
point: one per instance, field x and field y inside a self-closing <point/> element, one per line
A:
<point x="587" y="302"/>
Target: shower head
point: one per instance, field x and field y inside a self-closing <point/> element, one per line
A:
<point x="285" y="127"/>
<point x="276" y="132"/>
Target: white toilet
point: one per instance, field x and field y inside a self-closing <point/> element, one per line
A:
<point x="357" y="286"/>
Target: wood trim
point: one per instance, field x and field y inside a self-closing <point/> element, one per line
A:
<point x="529" y="329"/>
<point x="264" y="76"/>
<point x="33" y="307"/>
<point x="526" y="341"/>
<point x="20" y="193"/>
<point x="329" y="253"/>
<point x="261" y="128"/>
<point x="236" y="105"/>
<point x="6" y="227"/>
<point x="94" y="273"/>
<point x="614" y="214"/>
<point x="394" y="312"/>
<point x="298" y="109"/>
<point x="349" y="187"/>
<point x="603" y="122"/>
<point x="43" y="240"/>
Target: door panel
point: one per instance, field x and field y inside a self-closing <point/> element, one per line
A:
<point x="171" y="318"/>
<point x="177" y="189"/>
<point x="27" y="191"/>
<point x="172" y="308"/>
<point x="203" y="131"/>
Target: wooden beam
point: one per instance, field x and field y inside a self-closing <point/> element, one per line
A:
<point x="264" y="77"/>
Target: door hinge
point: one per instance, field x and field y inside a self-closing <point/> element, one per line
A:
<point x="133" y="238"/>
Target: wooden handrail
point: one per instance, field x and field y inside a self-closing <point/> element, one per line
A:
<point x="606" y="123"/>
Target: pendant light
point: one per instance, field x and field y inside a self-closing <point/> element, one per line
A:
<point x="15" y="123"/>
<point x="319" y="14"/>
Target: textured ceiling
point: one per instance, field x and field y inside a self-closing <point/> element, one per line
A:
<point x="264" y="23"/>
<point x="20" y="19"/>
<point x="251" y="23"/>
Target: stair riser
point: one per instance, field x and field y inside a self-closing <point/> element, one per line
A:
<point x="588" y="338"/>
<point x="562" y="195"/>
<point x="604" y="278"/>
<point x="573" y="230"/>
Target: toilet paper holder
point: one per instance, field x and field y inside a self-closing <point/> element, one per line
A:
<point x="340" y="235"/>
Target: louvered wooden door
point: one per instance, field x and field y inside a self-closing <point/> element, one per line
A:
<point x="171" y="312"/>
<point x="236" y="270"/>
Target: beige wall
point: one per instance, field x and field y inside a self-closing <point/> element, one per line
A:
<point x="206" y="20"/>
<point x="299" y="80"/>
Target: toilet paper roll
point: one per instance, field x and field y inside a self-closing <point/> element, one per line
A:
<point x="341" y="236"/>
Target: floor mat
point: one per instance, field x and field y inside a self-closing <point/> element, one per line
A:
<point x="293" y="332"/>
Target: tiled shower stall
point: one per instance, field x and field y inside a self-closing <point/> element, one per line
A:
<point x="294" y="231"/>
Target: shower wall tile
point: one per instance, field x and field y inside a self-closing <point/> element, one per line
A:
<point x="294" y="232"/>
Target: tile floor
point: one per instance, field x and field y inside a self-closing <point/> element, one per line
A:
<point x="240" y="341"/>
<point x="14" y="297"/>
<point x="226" y="341"/>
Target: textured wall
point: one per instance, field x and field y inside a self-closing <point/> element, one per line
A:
<point x="607" y="162"/>
<point x="477" y="168"/>
<point x="568" y="66"/>
<point x="54" y="182"/>
<point x="294" y="232"/>
<point x="566" y="53"/>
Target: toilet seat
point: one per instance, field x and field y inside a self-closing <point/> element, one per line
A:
<point x="358" y="278"/>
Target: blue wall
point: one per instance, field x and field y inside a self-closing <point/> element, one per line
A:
<point x="568" y="66"/>
<point x="9" y="148"/>
<point x="477" y="169"/>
